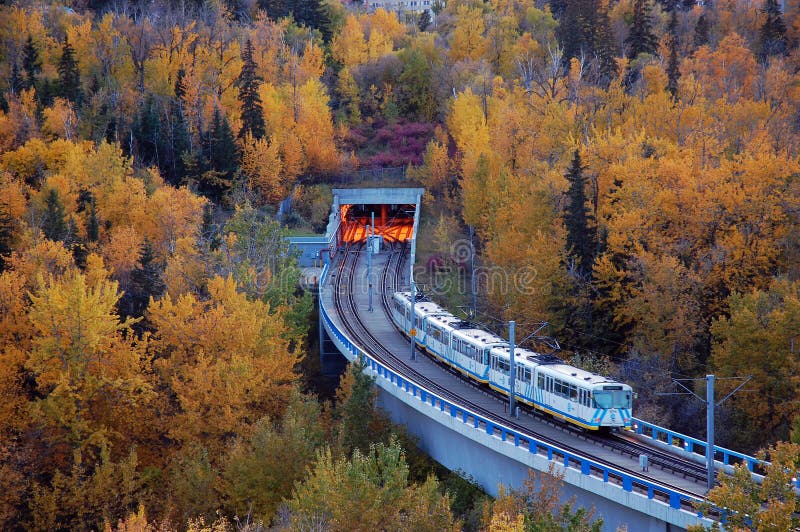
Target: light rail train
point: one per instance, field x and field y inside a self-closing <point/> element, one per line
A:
<point x="543" y="382"/>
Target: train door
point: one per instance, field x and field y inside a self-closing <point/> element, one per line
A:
<point x="523" y="382"/>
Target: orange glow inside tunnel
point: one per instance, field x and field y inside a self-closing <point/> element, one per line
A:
<point x="394" y="225"/>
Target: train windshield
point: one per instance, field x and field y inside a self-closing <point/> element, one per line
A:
<point x="612" y="399"/>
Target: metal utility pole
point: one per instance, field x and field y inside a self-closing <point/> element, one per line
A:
<point x="711" y="404"/>
<point x="413" y="330"/>
<point x="370" y="238"/>
<point x="710" y="431"/>
<point x="512" y="369"/>
<point x="472" y="272"/>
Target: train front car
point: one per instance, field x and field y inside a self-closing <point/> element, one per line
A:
<point x="585" y="399"/>
<point x="613" y="405"/>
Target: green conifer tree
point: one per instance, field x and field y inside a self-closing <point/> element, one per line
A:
<point x="248" y="83"/>
<point x="585" y="31"/>
<point x="641" y="39"/>
<point x="93" y="224"/>
<point x="54" y="224"/>
<point x="69" y="80"/>
<point x="772" y="37"/>
<point x="215" y="174"/>
<point x="147" y="131"/>
<point x="673" y="65"/>
<point x="312" y="14"/>
<point x="146" y="282"/>
<point x="179" y="141"/>
<point x="31" y="63"/>
<point x="223" y="153"/>
<point x="15" y="81"/>
<point x="357" y="411"/>
<point x="603" y="43"/>
<point x="701" y="31"/>
<point x="424" y="20"/>
<point x="581" y="235"/>
<point x="6" y="236"/>
<point x="275" y="9"/>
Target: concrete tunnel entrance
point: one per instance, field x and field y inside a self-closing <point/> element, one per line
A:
<point x="393" y="222"/>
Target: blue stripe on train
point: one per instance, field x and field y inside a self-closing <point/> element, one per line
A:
<point x="537" y="401"/>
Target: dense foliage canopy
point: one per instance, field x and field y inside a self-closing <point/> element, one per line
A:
<point x="629" y="170"/>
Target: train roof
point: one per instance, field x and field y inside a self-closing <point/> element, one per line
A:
<point x="584" y="377"/>
<point x="477" y="336"/>
<point x="446" y="319"/>
<point x="526" y="355"/>
<point x="424" y="306"/>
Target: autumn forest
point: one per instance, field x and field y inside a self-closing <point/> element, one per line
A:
<point x="635" y="161"/>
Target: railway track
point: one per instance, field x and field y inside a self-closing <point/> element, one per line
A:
<point x="391" y="276"/>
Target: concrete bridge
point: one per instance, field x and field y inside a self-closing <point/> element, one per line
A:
<point x="485" y="447"/>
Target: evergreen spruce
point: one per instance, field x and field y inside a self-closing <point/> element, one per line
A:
<point x="214" y="175"/>
<point x="557" y="7"/>
<point x="312" y="14"/>
<point x="641" y="39"/>
<point x="31" y="63"/>
<point x="15" y="82"/>
<point x="248" y="83"/>
<point x="180" y="86"/>
<point x="69" y="81"/>
<point x="358" y="411"/>
<point x="701" y="31"/>
<point x="575" y="29"/>
<point x="208" y="230"/>
<point x="93" y="224"/>
<point x="147" y="131"/>
<point x="54" y="224"/>
<point x="6" y="236"/>
<point x="424" y="21"/>
<point x="604" y="47"/>
<point x="222" y="145"/>
<point x="179" y="138"/>
<point x="772" y="37"/>
<point x="673" y="66"/>
<point x="146" y="281"/>
<point x="46" y="91"/>
<point x="585" y="30"/>
<point x="581" y="237"/>
<point x="275" y="9"/>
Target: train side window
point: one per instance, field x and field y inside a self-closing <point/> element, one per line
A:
<point x="540" y="380"/>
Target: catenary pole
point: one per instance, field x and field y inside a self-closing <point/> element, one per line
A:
<point x="370" y="238"/>
<point x="710" y="430"/>
<point x="512" y="368"/>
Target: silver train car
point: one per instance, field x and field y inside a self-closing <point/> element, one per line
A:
<point x="543" y="382"/>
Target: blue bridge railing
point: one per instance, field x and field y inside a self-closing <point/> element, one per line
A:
<point x="695" y="446"/>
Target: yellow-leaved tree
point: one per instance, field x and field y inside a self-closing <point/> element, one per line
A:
<point x="89" y="371"/>
<point x="225" y="359"/>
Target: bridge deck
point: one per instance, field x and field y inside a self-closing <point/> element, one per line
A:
<point x="379" y="323"/>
